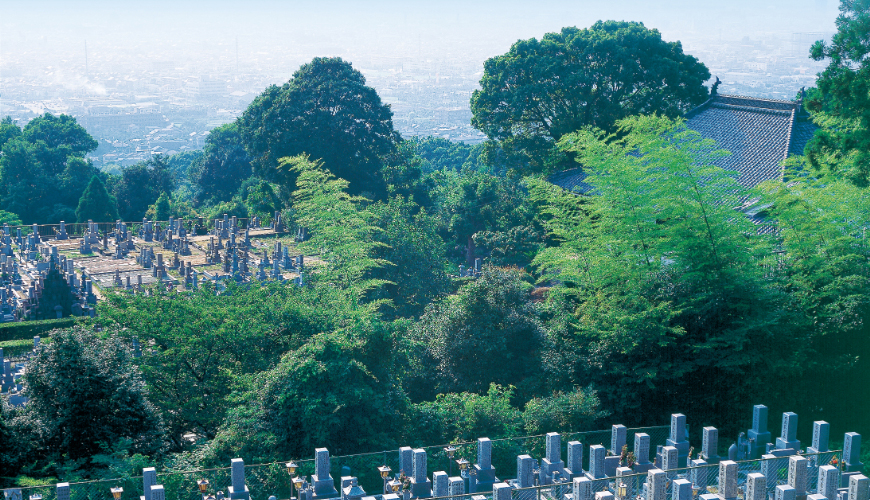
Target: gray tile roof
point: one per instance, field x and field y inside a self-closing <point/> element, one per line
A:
<point x="759" y="133"/>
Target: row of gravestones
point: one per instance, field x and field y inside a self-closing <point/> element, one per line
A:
<point x="833" y="484"/>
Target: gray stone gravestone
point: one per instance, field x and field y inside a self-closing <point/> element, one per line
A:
<point x="852" y="452"/>
<point x="618" y="437"/>
<point x="552" y="463"/>
<point x="629" y="485"/>
<point x="829" y="481"/>
<point x="525" y="471"/>
<point x="597" y="454"/>
<point x="62" y="491"/>
<point x="406" y="459"/>
<point x="821" y="433"/>
<point x="439" y="484"/>
<point x="698" y="474"/>
<point x="710" y="444"/>
<point x="455" y="486"/>
<point x="816" y="496"/>
<point x="682" y="490"/>
<point x="797" y="475"/>
<point x="656" y="484"/>
<point x="575" y="458"/>
<point x="784" y="492"/>
<point x="788" y="436"/>
<point x="670" y="460"/>
<point x="238" y="489"/>
<point x="149" y="479"/>
<point x="641" y="453"/>
<point x="581" y="488"/>
<point x="324" y="486"/>
<point x="728" y="479"/>
<point x="157" y="492"/>
<point x="756" y="487"/>
<point x="677" y="438"/>
<point x="501" y="491"/>
<point x="604" y="495"/>
<point x="771" y="467"/>
<point x="485" y="472"/>
<point x="759" y="434"/>
<point x="421" y="486"/>
<point x="859" y="487"/>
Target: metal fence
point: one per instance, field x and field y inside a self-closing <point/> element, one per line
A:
<point x="264" y="480"/>
<point x="272" y="479"/>
<point x="78" y="229"/>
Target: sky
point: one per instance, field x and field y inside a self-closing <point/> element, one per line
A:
<point x="206" y="32"/>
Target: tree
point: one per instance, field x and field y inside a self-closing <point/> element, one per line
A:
<point x="326" y="111"/>
<point x="664" y="279"/>
<point x="161" y="207"/>
<point x="86" y="392"/>
<point x="543" y="89"/>
<point x="140" y="185"/>
<point x="416" y="253"/>
<point x="224" y="164"/>
<point x="8" y="130"/>
<point x="43" y="168"/>
<point x="488" y="332"/>
<point x="97" y="204"/>
<point x="841" y="101"/>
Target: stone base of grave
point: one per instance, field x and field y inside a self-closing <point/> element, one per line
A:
<point x="324" y="488"/>
<point x="611" y="463"/>
<point x="643" y="468"/>
<point x="759" y="444"/>
<point x="782" y="453"/>
<point x="844" y="477"/>
<point x="422" y="489"/>
<point x="238" y="495"/>
<point x="682" y="450"/>
<point x="485" y="478"/>
<point x="782" y="444"/>
<point x="709" y="460"/>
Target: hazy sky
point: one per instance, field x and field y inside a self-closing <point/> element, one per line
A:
<point x="183" y="30"/>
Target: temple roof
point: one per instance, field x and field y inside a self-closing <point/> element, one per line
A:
<point x="759" y="133"/>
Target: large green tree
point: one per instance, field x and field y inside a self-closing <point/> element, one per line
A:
<point x="86" y="393"/>
<point x="328" y="112"/>
<point x="223" y="166"/>
<point x="43" y="169"/>
<point x="541" y="90"/>
<point x="96" y="203"/>
<point x="841" y="100"/>
<point x="140" y="185"/>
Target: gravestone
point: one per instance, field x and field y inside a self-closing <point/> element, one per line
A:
<point x="816" y="496"/>
<point x="710" y="444"/>
<point x="797" y="475"/>
<point x="656" y="484"/>
<point x="756" y="487"/>
<point x="149" y="479"/>
<point x="821" y="433"/>
<point x="421" y="486"/>
<point x="501" y="491"/>
<point x="728" y="479"/>
<point x="596" y="462"/>
<point x="604" y="495"/>
<point x="682" y="490"/>
<point x="455" y="486"/>
<point x="829" y="481"/>
<point x="788" y="436"/>
<point x="485" y="472"/>
<point x="677" y="438"/>
<point x="670" y="460"/>
<point x="62" y="491"/>
<point x="575" y="458"/>
<point x="859" y="487"/>
<point x="406" y="460"/>
<point x="581" y="488"/>
<point x="771" y="467"/>
<point x="698" y="474"/>
<point x="759" y="434"/>
<point x="852" y="452"/>
<point x="238" y="489"/>
<point x="618" y="436"/>
<point x="641" y="453"/>
<point x="439" y="483"/>
<point x="553" y="460"/>
<point x="629" y="485"/>
<point x="324" y="486"/>
<point x="525" y="471"/>
<point x="784" y="492"/>
<point x="157" y="492"/>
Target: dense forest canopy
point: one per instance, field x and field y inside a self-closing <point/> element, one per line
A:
<point x="648" y="296"/>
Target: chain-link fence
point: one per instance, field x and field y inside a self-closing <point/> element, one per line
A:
<point x="265" y="480"/>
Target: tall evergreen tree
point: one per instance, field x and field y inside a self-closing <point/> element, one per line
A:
<point x="162" y="208"/>
<point x="96" y="203"/>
